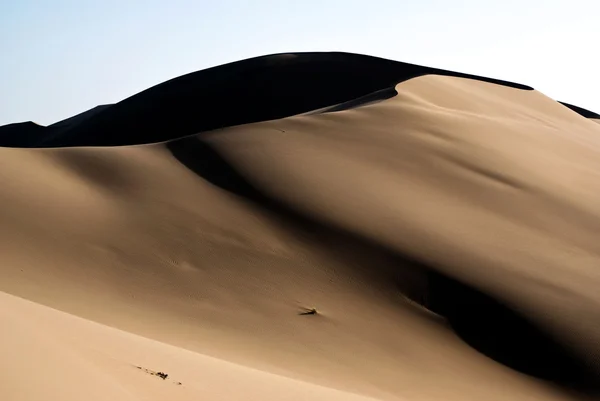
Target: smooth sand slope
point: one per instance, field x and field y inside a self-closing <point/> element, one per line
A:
<point x="48" y="354"/>
<point x="217" y="243"/>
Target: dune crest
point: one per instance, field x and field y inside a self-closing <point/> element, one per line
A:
<point x="246" y="91"/>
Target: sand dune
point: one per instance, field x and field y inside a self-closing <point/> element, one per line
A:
<point x="442" y="229"/>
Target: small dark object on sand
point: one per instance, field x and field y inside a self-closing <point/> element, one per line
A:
<point x="162" y="375"/>
<point x="311" y="311"/>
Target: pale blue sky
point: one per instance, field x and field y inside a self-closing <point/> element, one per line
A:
<point x="61" y="57"/>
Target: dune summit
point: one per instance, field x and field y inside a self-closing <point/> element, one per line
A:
<point x="247" y="91"/>
<point x="304" y="226"/>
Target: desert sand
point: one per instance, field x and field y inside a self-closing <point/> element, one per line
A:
<point x="201" y="256"/>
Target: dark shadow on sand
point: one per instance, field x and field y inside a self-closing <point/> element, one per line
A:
<point x="506" y="336"/>
<point x="581" y="111"/>
<point x="480" y="320"/>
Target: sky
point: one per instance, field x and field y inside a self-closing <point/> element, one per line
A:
<point x="62" y="57"/>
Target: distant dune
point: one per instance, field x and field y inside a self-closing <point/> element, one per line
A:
<point x="311" y="226"/>
<point x="18" y="134"/>
<point x="79" y="118"/>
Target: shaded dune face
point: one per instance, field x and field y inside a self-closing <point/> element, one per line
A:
<point x="505" y="335"/>
<point x="581" y="111"/>
<point x="22" y="134"/>
<point x="482" y="321"/>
